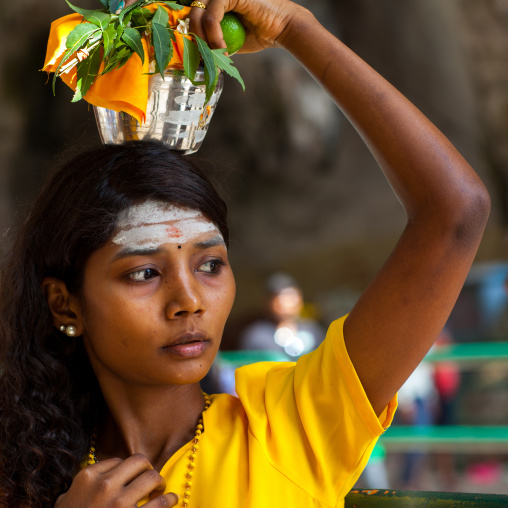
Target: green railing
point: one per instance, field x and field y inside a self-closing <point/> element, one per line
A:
<point x="472" y="353"/>
<point x="413" y="499"/>
<point x="447" y="438"/>
<point x="454" y="438"/>
<point x="237" y="359"/>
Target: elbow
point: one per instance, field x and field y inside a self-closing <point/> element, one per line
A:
<point x="470" y="216"/>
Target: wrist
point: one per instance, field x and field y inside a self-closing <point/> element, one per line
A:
<point x="299" y="22"/>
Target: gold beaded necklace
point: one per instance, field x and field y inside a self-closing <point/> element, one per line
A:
<point x="92" y="459"/>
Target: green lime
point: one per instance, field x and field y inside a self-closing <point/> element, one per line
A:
<point x="233" y="32"/>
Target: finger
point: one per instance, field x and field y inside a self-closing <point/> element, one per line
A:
<point x="158" y="491"/>
<point x="211" y="24"/>
<point x="150" y="483"/>
<point x="104" y="466"/>
<point x="206" y="22"/>
<point x="196" y="20"/>
<point x="165" y="501"/>
<point x="129" y="469"/>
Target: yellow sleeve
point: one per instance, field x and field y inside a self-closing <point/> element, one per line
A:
<point x="313" y="419"/>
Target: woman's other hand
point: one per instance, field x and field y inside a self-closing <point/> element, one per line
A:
<point x="264" y="21"/>
<point x="117" y="483"/>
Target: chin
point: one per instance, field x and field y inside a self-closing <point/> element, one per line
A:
<point x="191" y="372"/>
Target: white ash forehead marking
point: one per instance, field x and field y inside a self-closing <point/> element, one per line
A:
<point x="153" y="212"/>
<point x="153" y="235"/>
<point x="140" y="225"/>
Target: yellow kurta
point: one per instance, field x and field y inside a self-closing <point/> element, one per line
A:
<point x="298" y="435"/>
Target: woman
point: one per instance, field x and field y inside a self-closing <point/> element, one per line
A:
<point x="118" y="289"/>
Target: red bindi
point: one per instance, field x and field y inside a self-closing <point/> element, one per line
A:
<point x="173" y="232"/>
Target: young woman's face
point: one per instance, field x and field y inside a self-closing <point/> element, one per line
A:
<point x="157" y="296"/>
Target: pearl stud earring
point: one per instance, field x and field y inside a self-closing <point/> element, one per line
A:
<point x="69" y="330"/>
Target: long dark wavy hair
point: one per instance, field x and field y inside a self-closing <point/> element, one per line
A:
<point x="49" y="398"/>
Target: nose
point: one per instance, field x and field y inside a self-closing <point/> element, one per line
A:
<point x="184" y="295"/>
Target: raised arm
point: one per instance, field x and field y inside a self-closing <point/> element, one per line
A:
<point x="399" y="316"/>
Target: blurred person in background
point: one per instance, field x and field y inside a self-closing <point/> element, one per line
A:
<point x="417" y="407"/>
<point x="447" y="379"/>
<point x="283" y="328"/>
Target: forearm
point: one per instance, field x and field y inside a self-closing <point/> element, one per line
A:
<point x="399" y="316"/>
<point x="424" y="169"/>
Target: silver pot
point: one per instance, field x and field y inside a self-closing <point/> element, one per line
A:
<point x="175" y="114"/>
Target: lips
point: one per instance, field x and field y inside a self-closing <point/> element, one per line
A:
<point x="188" y="345"/>
<point x="187" y="338"/>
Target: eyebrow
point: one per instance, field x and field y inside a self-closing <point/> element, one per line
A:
<point x="150" y="251"/>
<point x="127" y="252"/>
<point x="212" y="242"/>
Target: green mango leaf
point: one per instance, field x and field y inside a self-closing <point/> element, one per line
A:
<point x="186" y="2"/>
<point x="139" y="18"/>
<point x="104" y="3"/>
<point x="209" y="88"/>
<point x="133" y="39"/>
<point x="96" y="37"/>
<point x="76" y="40"/>
<point x="65" y="57"/>
<point x="118" y="59"/>
<point x="126" y="14"/>
<point x="79" y="36"/>
<point x="124" y="57"/>
<point x="109" y="40"/>
<point x="210" y="68"/>
<point x="190" y="58"/>
<point x="87" y="73"/>
<point x="119" y="31"/>
<point x="148" y="14"/>
<point x="100" y="19"/>
<point x="123" y="61"/>
<point x="84" y="12"/>
<point x="124" y="51"/>
<point x="161" y="17"/>
<point x="226" y="64"/>
<point x="119" y="45"/>
<point x="161" y="42"/>
<point x="126" y="20"/>
<point x="174" y="6"/>
<point x="109" y="65"/>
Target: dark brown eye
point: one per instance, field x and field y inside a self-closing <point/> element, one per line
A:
<point x="143" y="275"/>
<point x="212" y="266"/>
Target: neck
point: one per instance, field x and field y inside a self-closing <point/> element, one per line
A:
<point x="153" y="421"/>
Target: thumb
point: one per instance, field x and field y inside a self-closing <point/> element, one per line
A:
<point x="167" y="500"/>
<point x="172" y="498"/>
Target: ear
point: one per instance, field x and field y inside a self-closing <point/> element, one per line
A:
<point x="64" y="306"/>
